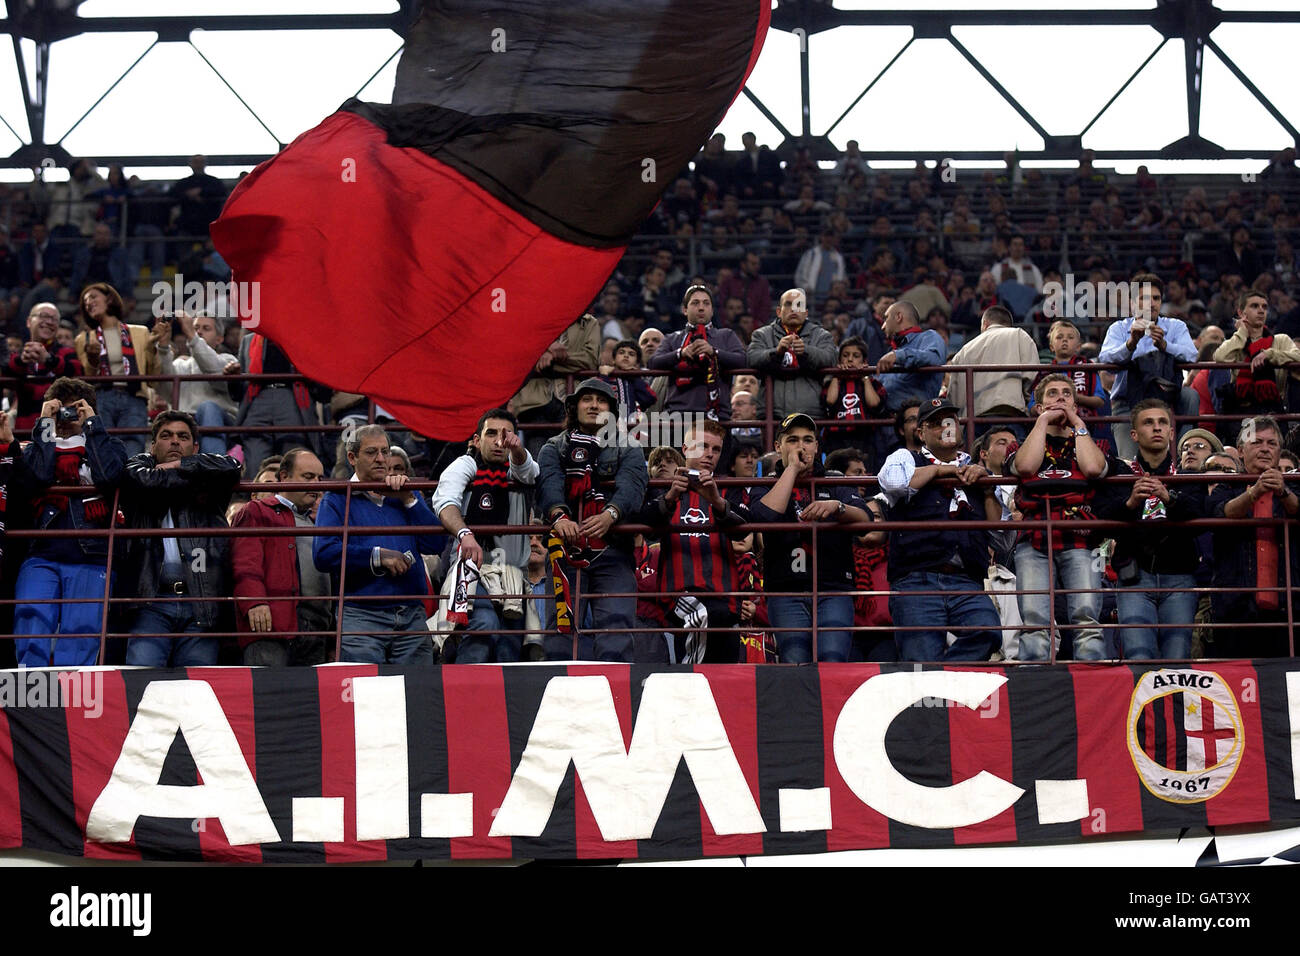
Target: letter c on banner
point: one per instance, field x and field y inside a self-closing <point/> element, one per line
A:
<point x="859" y="746"/>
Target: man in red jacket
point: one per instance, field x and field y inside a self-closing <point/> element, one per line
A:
<point x="280" y="566"/>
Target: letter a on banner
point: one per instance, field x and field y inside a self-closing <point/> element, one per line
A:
<point x="227" y="793"/>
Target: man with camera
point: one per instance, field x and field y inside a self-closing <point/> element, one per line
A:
<point x="70" y="446"/>
<point x="696" y="560"/>
<point x="1150" y="346"/>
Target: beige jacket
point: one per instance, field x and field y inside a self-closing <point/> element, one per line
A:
<point x="146" y="356"/>
<point x="582" y="340"/>
<point x="999" y="345"/>
<point x="1284" y="350"/>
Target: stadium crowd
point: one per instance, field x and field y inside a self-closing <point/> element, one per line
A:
<point x="760" y="381"/>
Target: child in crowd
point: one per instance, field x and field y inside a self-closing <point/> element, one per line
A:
<point x="634" y="392"/>
<point x="1066" y="343"/>
<point x="850" y="399"/>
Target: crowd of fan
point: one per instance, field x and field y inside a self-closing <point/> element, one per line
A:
<point x="908" y="272"/>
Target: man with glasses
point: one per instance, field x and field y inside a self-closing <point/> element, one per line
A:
<point x="1195" y="448"/>
<point x="41" y="360"/>
<point x="384" y="568"/>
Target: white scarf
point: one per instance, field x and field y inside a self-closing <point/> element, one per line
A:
<point x="958" y="495"/>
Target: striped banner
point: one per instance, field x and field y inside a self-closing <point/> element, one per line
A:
<point x="354" y="763"/>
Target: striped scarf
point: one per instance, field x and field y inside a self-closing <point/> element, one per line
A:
<point x="128" y="351"/>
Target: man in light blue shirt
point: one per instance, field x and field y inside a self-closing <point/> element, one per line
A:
<point x="1145" y="343"/>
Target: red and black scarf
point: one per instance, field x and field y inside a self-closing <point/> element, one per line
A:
<point x="758" y="647"/>
<point x="128" y="351"/>
<point x="487" y="499"/>
<point x="1258" y="387"/>
<point x="584" y="500"/>
<point x="689" y="371"/>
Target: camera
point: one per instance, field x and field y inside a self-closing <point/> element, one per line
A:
<point x="693" y="478"/>
<point x="66" y="415"/>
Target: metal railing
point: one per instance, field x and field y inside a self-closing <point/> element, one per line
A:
<point x="116" y="535"/>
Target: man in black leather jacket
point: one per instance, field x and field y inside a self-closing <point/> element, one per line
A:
<point x="171" y="486"/>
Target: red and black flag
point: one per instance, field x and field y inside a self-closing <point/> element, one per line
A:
<point x="425" y="253"/>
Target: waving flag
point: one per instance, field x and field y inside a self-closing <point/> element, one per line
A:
<point x="425" y="253"/>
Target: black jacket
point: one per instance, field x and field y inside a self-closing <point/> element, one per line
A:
<point x="1157" y="547"/>
<point x="196" y="493"/>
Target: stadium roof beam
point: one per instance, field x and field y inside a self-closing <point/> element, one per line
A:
<point x="1191" y="21"/>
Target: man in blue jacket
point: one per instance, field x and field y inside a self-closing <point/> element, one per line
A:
<point x="384" y="576"/>
<point x="911" y="347"/>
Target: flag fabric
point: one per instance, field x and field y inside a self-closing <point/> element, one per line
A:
<point x="425" y="253"/>
<point x="362" y="763"/>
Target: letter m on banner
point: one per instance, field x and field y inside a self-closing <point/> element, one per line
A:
<point x="626" y="788"/>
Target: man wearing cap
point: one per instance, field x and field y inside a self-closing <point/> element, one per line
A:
<point x="1057" y="466"/>
<point x="585" y="487"/>
<point x="793" y="350"/>
<point x="787" y="558"/>
<point x="1195" y="448"/>
<point x="699" y="360"/>
<point x="953" y="560"/>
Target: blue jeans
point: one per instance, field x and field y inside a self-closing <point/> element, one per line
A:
<point x="368" y="637"/>
<point x="479" y="645"/>
<point x="41" y="581"/>
<point x="169" y="617"/>
<point x="1138" y="606"/>
<point x="611" y="573"/>
<point x="1075" y="568"/>
<point x="212" y="415"/>
<point x="970" y="615"/>
<point x="117" y="409"/>
<point x="834" y="611"/>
